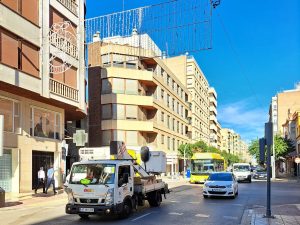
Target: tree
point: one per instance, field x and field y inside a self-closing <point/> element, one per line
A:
<point x="188" y="150"/>
<point x="282" y="147"/>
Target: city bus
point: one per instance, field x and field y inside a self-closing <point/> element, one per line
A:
<point x="202" y="164"/>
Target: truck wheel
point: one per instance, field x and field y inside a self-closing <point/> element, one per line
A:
<point x="84" y="216"/>
<point x="154" y="199"/>
<point x="127" y="209"/>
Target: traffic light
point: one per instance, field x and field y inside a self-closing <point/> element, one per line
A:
<point x="262" y="145"/>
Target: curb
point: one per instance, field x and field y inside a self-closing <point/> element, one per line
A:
<point x="247" y="217"/>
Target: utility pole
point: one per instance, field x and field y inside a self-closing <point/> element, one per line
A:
<point x="269" y="143"/>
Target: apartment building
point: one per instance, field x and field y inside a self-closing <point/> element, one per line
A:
<point x="213" y="123"/>
<point x="136" y="98"/>
<point x="190" y="74"/>
<point x="42" y="85"/>
<point x="282" y="105"/>
<point x="230" y="141"/>
<point x="219" y="135"/>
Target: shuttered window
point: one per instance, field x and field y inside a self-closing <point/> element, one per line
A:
<point x="131" y="87"/>
<point x="106" y="86"/>
<point x="30" y="59"/>
<point x="131" y="112"/>
<point x="71" y="77"/>
<point x="131" y="137"/>
<point x="118" y="86"/>
<point x="106" y="111"/>
<point x="118" y="112"/>
<point x="119" y="135"/>
<point x="30" y="10"/>
<point x="9" y="50"/>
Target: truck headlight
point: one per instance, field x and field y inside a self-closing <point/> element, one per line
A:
<point x="109" y="199"/>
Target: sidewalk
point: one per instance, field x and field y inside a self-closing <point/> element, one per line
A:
<point x="283" y="215"/>
<point x="14" y="199"/>
<point x="175" y="182"/>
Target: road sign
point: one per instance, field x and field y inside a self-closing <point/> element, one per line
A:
<point x="297" y="160"/>
<point x="80" y="138"/>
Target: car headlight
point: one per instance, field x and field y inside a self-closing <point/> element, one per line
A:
<point x="109" y="199"/>
<point x="206" y="185"/>
<point x="229" y="186"/>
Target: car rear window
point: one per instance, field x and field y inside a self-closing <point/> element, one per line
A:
<point x="220" y="177"/>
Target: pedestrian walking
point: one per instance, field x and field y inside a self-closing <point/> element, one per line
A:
<point x="50" y="179"/>
<point x="41" y="180"/>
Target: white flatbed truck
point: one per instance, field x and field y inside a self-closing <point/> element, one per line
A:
<point x="111" y="186"/>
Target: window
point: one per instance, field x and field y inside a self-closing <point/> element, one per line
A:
<point x="162" y="72"/>
<point x="174" y="147"/>
<point x="118" y="86"/>
<point x="106" y="87"/>
<point x="173" y="124"/>
<point x="162" y="93"/>
<point x="168" y="100"/>
<point x="119" y="135"/>
<point x="169" y="80"/>
<point x="11" y="111"/>
<point x="45" y="123"/>
<point x="106" y="112"/>
<point x="106" y="137"/>
<point x="131" y="87"/>
<point x="131" y="138"/>
<point x="169" y="142"/>
<point x="162" y="139"/>
<point x="105" y="60"/>
<point x="118" y="60"/>
<point x="131" y="112"/>
<point x="173" y="104"/>
<point x="162" y="116"/>
<point x="178" y="126"/>
<point x="27" y="8"/>
<point x="118" y="112"/>
<point x="168" y="121"/>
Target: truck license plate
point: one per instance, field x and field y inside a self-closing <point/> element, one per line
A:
<point x="86" y="209"/>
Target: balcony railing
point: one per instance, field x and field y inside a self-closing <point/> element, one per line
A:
<point x="63" y="90"/>
<point x="63" y="44"/>
<point x="70" y="5"/>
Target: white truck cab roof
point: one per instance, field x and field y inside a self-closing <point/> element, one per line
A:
<point x="111" y="161"/>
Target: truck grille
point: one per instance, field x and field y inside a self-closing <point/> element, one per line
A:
<point x="89" y="201"/>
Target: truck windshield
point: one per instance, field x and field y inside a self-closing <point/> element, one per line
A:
<point x="93" y="174"/>
<point x="241" y="168"/>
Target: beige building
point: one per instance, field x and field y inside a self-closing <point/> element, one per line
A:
<point x="213" y="123"/>
<point x="190" y="74"/>
<point x="136" y="99"/>
<point x="219" y="135"/>
<point x="282" y="105"/>
<point x="42" y="84"/>
<point x="230" y="141"/>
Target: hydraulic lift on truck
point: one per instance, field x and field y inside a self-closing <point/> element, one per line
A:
<point x="108" y="180"/>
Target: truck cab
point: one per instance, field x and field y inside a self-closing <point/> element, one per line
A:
<point x="242" y="171"/>
<point x="100" y="187"/>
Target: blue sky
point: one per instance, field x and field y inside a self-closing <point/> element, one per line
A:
<point x="255" y="54"/>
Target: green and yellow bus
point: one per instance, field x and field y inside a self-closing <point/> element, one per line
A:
<point x="202" y="164"/>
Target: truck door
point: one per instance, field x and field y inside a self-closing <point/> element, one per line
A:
<point x="125" y="186"/>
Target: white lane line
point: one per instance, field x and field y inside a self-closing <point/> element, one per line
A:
<point x="202" y="215"/>
<point x="193" y="202"/>
<point x="175" y="213"/>
<point x="140" y="217"/>
<point x="230" y="217"/>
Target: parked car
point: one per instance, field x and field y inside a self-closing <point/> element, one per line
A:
<point x="220" y="184"/>
<point x="260" y="173"/>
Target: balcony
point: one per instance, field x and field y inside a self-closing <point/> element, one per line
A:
<point x="70" y="5"/>
<point x="63" y="90"/>
<point x="213" y="118"/>
<point x="63" y="44"/>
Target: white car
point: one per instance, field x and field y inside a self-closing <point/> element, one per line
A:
<point x="220" y="184"/>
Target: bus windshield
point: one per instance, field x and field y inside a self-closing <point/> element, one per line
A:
<point x="92" y="174"/>
<point x="205" y="166"/>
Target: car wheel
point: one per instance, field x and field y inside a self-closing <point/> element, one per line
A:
<point x="237" y="192"/>
<point x="205" y="196"/>
<point x="250" y="180"/>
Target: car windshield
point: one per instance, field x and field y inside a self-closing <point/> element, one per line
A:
<point x="241" y="168"/>
<point x="92" y="174"/>
<point x="220" y="177"/>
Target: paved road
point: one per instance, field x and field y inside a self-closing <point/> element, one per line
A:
<point x="185" y="205"/>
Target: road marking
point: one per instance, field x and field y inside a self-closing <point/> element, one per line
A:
<point x="140" y="217"/>
<point x="175" y="213"/>
<point x="230" y="217"/>
<point x="202" y="215"/>
<point x="194" y="202"/>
